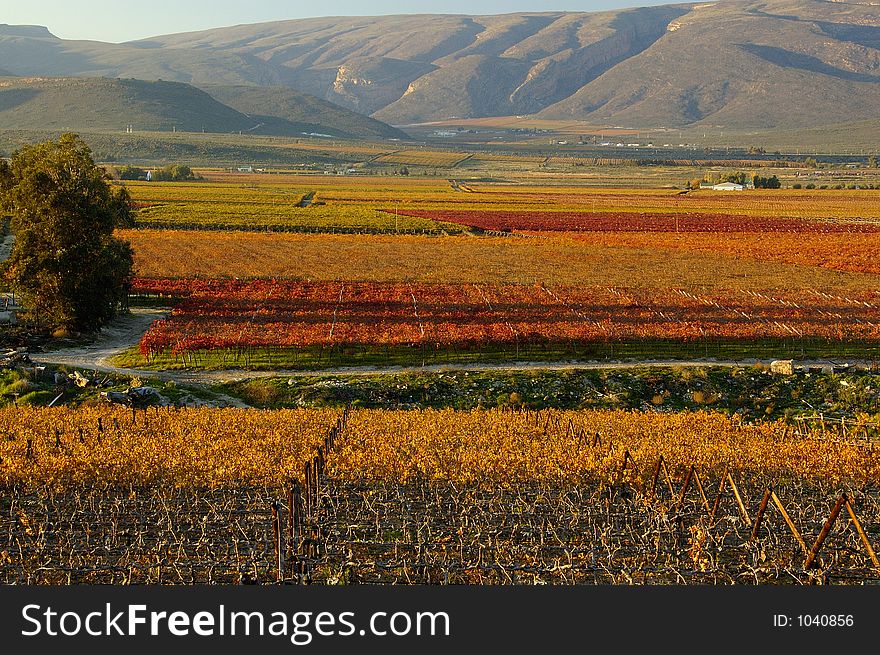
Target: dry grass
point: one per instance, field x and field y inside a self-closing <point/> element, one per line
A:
<point x="423" y="157"/>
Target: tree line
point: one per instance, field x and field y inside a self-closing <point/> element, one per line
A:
<point x="170" y="173"/>
<point x="740" y="177"/>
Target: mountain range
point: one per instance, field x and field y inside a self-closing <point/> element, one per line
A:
<point x="111" y="104"/>
<point x="733" y="63"/>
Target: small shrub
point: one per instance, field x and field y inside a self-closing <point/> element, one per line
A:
<point x="19" y="386"/>
<point x="131" y="173"/>
<point x="174" y="173"/>
<point x="36" y="398"/>
<point x="261" y="393"/>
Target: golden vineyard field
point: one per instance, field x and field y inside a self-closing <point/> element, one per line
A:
<point x="375" y="193"/>
<point x="223" y="448"/>
<point x="495" y="447"/>
<point x="185" y="448"/>
<point x="604" y="259"/>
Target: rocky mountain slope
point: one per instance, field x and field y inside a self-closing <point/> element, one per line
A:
<point x="736" y="63"/>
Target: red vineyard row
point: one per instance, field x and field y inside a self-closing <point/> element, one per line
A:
<point x="602" y="221"/>
<point x="219" y="314"/>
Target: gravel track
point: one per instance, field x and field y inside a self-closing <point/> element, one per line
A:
<point x="125" y="332"/>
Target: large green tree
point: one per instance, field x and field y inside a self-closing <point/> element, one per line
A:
<point x="67" y="267"/>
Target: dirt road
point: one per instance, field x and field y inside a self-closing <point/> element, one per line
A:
<point x="119" y="335"/>
<point x="126" y="332"/>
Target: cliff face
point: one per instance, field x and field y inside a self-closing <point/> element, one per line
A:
<point x="367" y="85"/>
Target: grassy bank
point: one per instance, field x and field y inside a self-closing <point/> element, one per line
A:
<point x="750" y="392"/>
<point x="318" y="358"/>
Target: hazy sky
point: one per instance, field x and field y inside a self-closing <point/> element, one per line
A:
<point x="103" y="20"/>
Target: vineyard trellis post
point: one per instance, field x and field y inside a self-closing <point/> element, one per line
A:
<point x="292" y="518"/>
<point x="661" y="464"/>
<point x="692" y="474"/>
<point x="278" y="541"/>
<point x="842" y="502"/>
<point x="700" y="488"/>
<point x="826" y="529"/>
<point x="791" y="526"/>
<point x="302" y="506"/>
<point x="862" y="535"/>
<point x="739" y="500"/>
<point x="760" y="516"/>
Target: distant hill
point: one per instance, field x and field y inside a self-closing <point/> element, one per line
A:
<point x="302" y="112"/>
<point x="101" y="104"/>
<point x="27" y="31"/>
<point x="859" y="137"/>
<point x="74" y="103"/>
<point x="34" y="51"/>
<point x="740" y="64"/>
